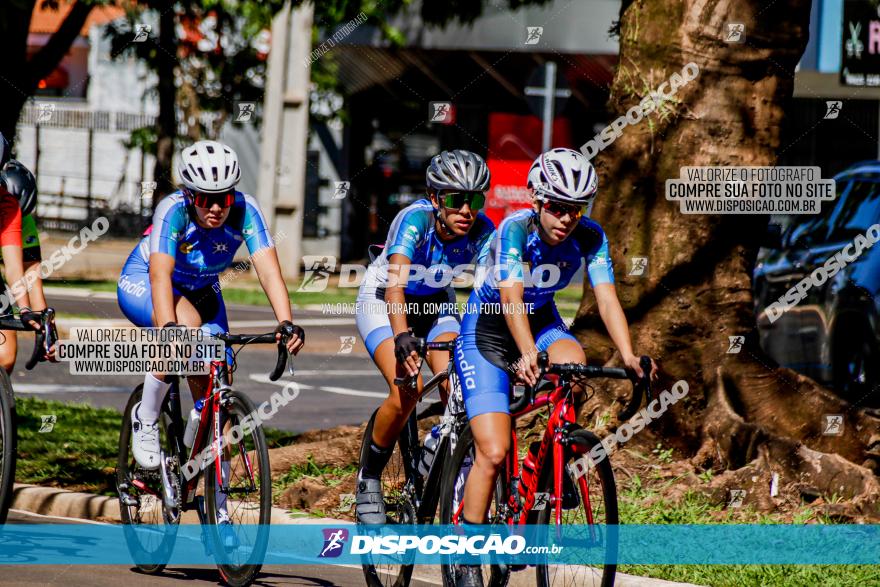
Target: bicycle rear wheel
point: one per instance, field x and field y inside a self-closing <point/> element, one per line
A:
<point x="8" y="444"/>
<point x="455" y="474"/>
<point x="399" y="507"/>
<point x="140" y="498"/>
<point x="596" y="493"/>
<point x="248" y="493"/>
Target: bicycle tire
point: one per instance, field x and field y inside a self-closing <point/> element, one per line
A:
<point x="399" y="508"/>
<point x="9" y="448"/>
<point x="603" y="471"/>
<point x="498" y="575"/>
<point x="238" y="575"/>
<point x="125" y="468"/>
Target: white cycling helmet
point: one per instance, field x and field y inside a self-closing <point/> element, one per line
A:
<point x="209" y="167"/>
<point x="458" y="170"/>
<point x="563" y="175"/>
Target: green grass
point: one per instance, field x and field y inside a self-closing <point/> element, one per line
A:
<point x="81" y="450"/>
<point x="330" y="476"/>
<point x="79" y="453"/>
<point x="639" y="505"/>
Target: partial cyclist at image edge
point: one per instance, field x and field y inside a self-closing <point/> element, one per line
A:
<point x="434" y="234"/>
<point x="169" y="277"/>
<point x="496" y="344"/>
<point x="17" y="200"/>
<point x="19" y="182"/>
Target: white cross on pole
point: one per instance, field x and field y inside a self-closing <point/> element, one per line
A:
<point x="548" y="93"/>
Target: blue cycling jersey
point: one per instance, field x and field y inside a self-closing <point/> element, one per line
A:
<point x="517" y="243"/>
<point x="201" y="254"/>
<point x="413" y="235"/>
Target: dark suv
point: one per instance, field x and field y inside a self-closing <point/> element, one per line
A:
<point x="832" y="334"/>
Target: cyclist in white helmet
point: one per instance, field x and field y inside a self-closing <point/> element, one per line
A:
<point x="494" y="347"/>
<point x="171" y="276"/>
<point x="433" y="235"/>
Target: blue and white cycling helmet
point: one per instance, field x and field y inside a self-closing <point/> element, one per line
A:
<point x="564" y="175"/>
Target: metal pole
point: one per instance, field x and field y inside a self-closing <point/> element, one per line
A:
<point x="549" y="99"/>
<point x="89" y="179"/>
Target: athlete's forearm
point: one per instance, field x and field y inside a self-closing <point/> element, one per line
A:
<point x="269" y="272"/>
<point x="37" y="298"/>
<point x="613" y="317"/>
<point x="12" y="259"/>
<point x="517" y="322"/>
<point x="163" y="294"/>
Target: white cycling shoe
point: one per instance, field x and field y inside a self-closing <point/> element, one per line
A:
<point x="144" y="441"/>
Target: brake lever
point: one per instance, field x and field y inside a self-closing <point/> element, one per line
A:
<point x="645" y="364"/>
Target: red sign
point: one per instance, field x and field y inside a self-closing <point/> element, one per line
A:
<point x="514" y="143"/>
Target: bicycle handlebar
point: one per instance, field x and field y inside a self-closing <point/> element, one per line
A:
<point x="640" y="384"/>
<point x="244" y="339"/>
<point x="44" y="338"/>
<point x="424" y="347"/>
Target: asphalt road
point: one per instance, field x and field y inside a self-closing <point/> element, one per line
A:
<point x="116" y="575"/>
<point x="335" y="388"/>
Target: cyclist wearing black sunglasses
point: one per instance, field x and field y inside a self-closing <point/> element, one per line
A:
<point x="171" y="277"/>
<point x="555" y="236"/>
<point x="407" y="294"/>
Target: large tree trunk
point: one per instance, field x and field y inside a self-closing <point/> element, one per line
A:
<point x="743" y="414"/>
<point x="167" y="122"/>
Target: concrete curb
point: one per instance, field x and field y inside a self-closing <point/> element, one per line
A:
<point x="51" y="501"/>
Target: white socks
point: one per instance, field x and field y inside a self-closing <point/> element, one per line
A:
<point x="151" y="401"/>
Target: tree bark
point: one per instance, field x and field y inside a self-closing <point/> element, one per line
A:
<point x="167" y="121"/>
<point x="742" y="410"/>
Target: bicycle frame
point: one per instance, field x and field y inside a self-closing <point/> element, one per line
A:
<point x="562" y="417"/>
<point x="217" y="384"/>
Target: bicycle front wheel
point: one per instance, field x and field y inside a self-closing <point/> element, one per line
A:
<point x="149" y="532"/>
<point x="240" y="508"/>
<point x="8" y="442"/>
<point x="590" y="501"/>
<point x="455" y="475"/>
<point x="399" y="508"/>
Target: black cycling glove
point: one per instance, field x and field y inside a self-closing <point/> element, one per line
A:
<point x="404" y="344"/>
<point x="290" y="327"/>
<point x="26" y="315"/>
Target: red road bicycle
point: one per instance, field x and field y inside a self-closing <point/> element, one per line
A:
<point x="547" y="488"/>
<point x="155" y="500"/>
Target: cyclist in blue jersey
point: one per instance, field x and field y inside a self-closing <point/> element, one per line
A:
<point x="501" y="334"/>
<point x="407" y="294"/>
<point x="170" y="277"/>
